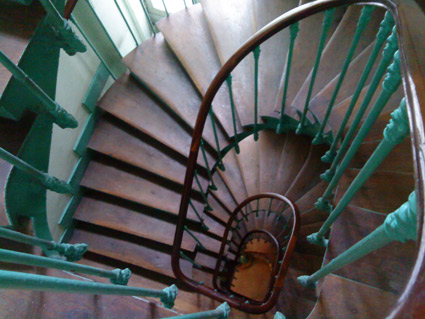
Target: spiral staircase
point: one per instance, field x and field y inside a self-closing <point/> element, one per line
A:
<point x="140" y="148"/>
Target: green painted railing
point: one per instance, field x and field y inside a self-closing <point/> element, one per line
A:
<point x="17" y="280"/>
<point x="398" y="226"/>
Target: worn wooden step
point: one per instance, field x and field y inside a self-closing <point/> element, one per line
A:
<point x="291" y="286"/>
<point x="313" y="216"/>
<point x="394" y="187"/>
<point x="270" y="150"/>
<point x="157" y="67"/>
<point x="304" y="247"/>
<point x="310" y="228"/>
<point x="238" y="16"/>
<point x="293" y="306"/>
<point x="305" y="262"/>
<point x="248" y="160"/>
<point x="343" y="298"/>
<point x="118" y="217"/>
<point x="273" y="52"/>
<point x="129" y="102"/>
<point x="294" y="153"/>
<point x="128" y="251"/>
<point x="304" y="53"/>
<point x="309" y="174"/>
<point x="194" y="40"/>
<point x="222" y="194"/>
<point x="113" y="181"/>
<point x="136" y="149"/>
<point x="332" y="59"/>
<point x="387" y="268"/>
<point x="17" y="25"/>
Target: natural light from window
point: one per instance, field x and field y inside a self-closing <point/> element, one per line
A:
<point x="172" y="5"/>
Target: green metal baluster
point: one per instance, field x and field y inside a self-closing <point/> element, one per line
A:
<point x="126" y="22"/>
<point x="204" y="195"/>
<point x="384" y="31"/>
<point x="323" y="203"/>
<point x="232" y="105"/>
<point x="185" y="257"/>
<point x="201" y="220"/>
<point x="364" y="19"/>
<point x="198" y="242"/>
<point x="395" y="132"/>
<point x="327" y="21"/>
<point x="221" y="312"/>
<point x="185" y="5"/>
<point x="270" y="207"/>
<point x="217" y="143"/>
<point x="398" y="226"/>
<point x="50" y="182"/>
<point x="148" y="16"/>
<point x="387" y="56"/>
<point x="293" y="29"/>
<point x="18" y="280"/>
<point x="212" y="186"/>
<point x="165" y="8"/>
<point x="117" y="276"/>
<point x="256" y="53"/>
<point x="59" y="115"/>
<point x="65" y="36"/>
<point x="71" y="252"/>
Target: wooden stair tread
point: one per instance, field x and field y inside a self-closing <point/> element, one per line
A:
<point x="194" y="47"/>
<point x="129" y="252"/>
<point x="313" y="216"/>
<point x="394" y="187"/>
<point x="111" y="140"/>
<point x="305" y="262"/>
<point x="222" y="194"/>
<point x="332" y="60"/>
<point x="127" y="101"/>
<point x="270" y="150"/>
<point x="291" y="286"/>
<point x="387" y="268"/>
<point x="294" y="306"/>
<point x="294" y="153"/>
<point x="238" y="16"/>
<point x="305" y="50"/>
<point x="273" y="52"/>
<point x="248" y="160"/>
<point x="306" y="179"/>
<point x="108" y="215"/>
<point x="17" y="25"/>
<point x="155" y="65"/>
<point x="343" y="298"/>
<point x="110" y="180"/>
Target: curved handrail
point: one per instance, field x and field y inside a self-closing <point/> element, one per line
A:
<point x="410" y="24"/>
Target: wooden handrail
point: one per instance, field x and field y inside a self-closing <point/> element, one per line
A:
<point x="69" y="7"/>
<point x="410" y="22"/>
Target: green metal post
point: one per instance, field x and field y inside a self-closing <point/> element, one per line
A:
<point x="117" y="276"/>
<point x="185" y="4"/>
<point x="390" y="85"/>
<point x="65" y="36"/>
<point x="221" y="312"/>
<point x="148" y="16"/>
<point x="398" y="226"/>
<point x="48" y="181"/>
<point x="387" y="56"/>
<point x="17" y="280"/>
<point x="212" y="185"/>
<point x="364" y="19"/>
<point x="204" y="195"/>
<point x="327" y="21"/>
<point x="256" y="53"/>
<point x="232" y="106"/>
<point x="198" y="242"/>
<point x="293" y="30"/>
<point x="70" y="252"/>
<point x="201" y="220"/>
<point x="126" y="22"/>
<point x="217" y="143"/>
<point x="58" y="114"/>
<point x="384" y="31"/>
<point x="185" y="257"/>
<point x="165" y="8"/>
<point x="395" y="132"/>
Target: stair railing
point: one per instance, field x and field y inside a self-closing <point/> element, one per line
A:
<point x="407" y="66"/>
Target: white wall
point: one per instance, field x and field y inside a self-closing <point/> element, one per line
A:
<point x="74" y="77"/>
